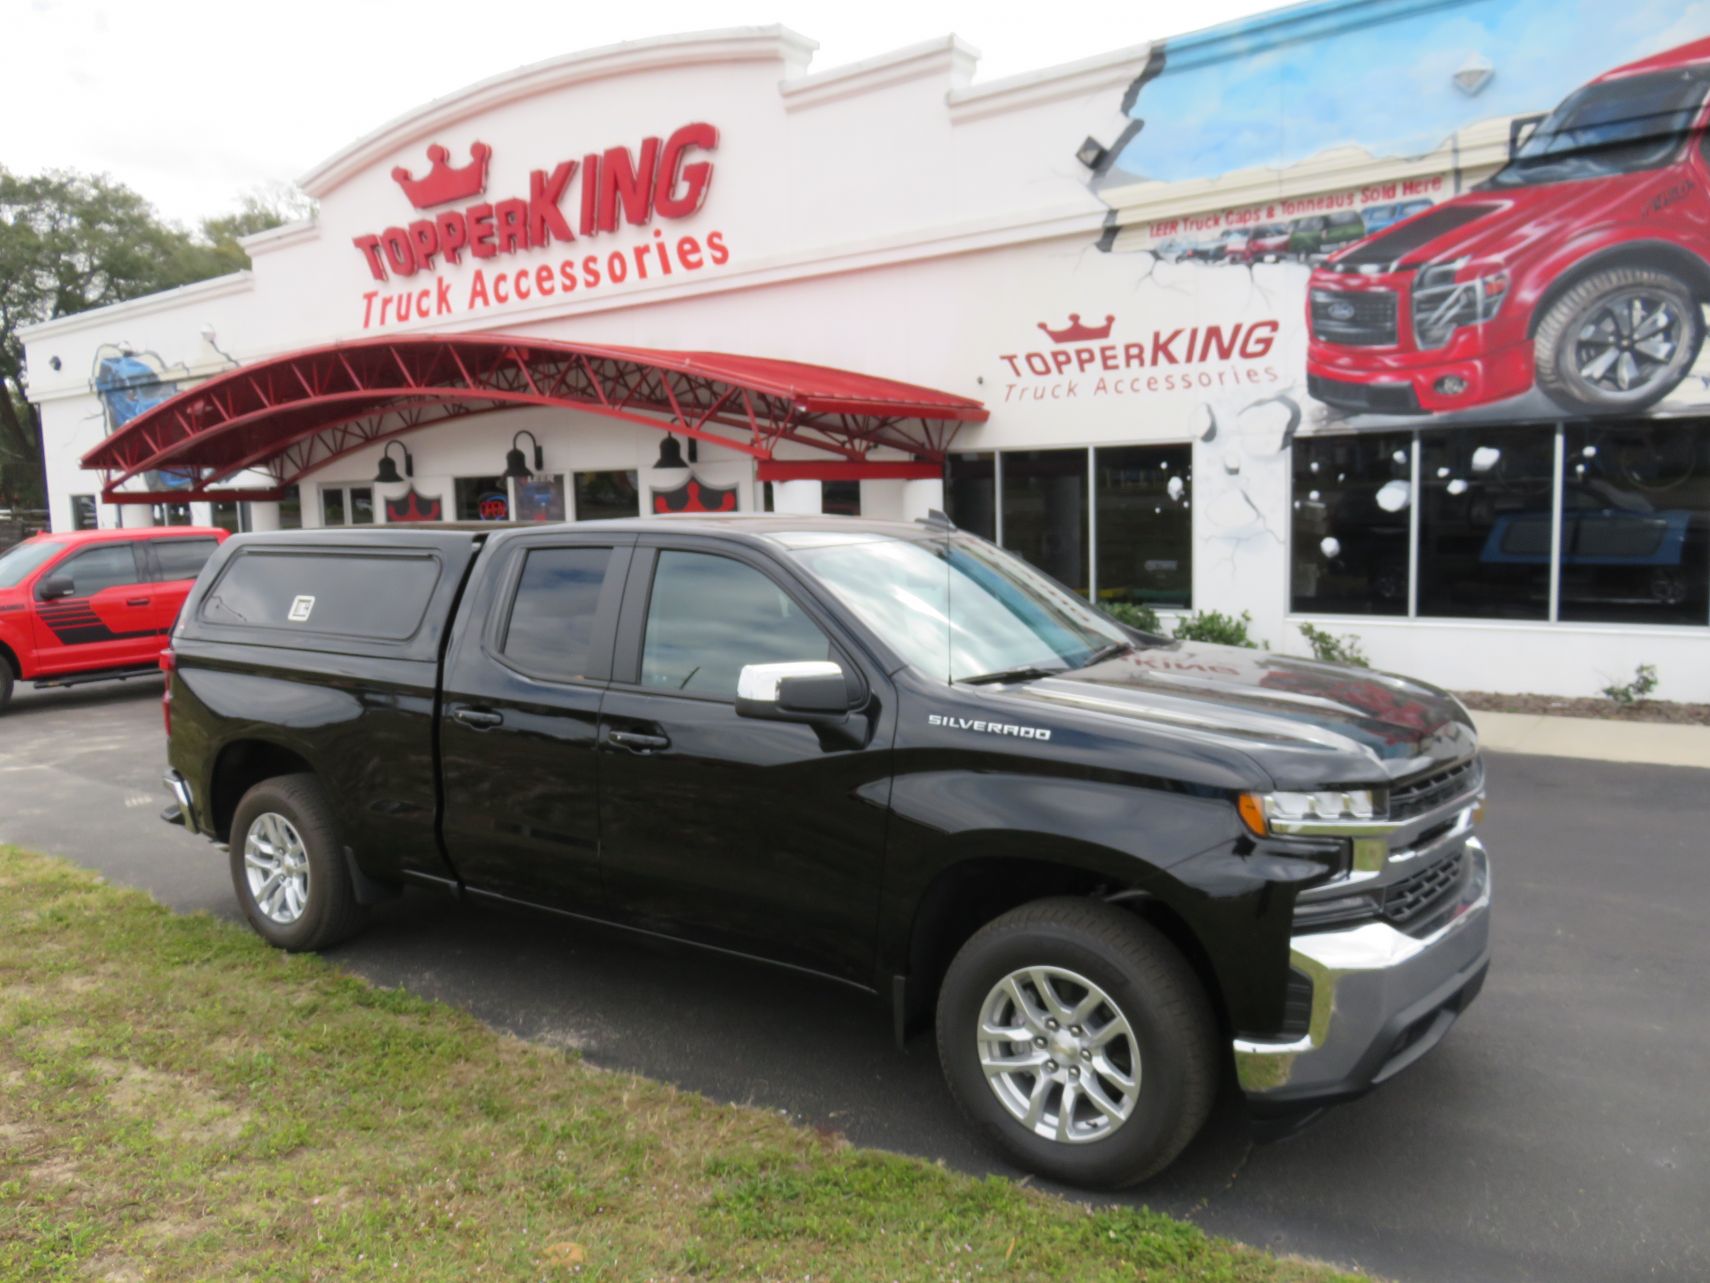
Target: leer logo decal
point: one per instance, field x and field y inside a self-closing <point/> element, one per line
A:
<point x="300" y="608"/>
<point x="987" y="728"/>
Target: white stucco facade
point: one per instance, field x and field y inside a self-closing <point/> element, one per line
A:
<point x="897" y="218"/>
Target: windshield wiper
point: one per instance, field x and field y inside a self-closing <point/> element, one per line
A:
<point x="1025" y="673"/>
<point x="1107" y="652"/>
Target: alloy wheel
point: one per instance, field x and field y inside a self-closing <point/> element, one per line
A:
<point x="1629" y="343"/>
<point x="1059" y="1055"/>
<point x="276" y="864"/>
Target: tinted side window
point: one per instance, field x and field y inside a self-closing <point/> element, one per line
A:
<point x="104" y="566"/>
<point x="551" y="629"/>
<point x="353" y="595"/>
<point x="182" y="558"/>
<point x="708" y="616"/>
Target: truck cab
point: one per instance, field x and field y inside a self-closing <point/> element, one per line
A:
<point x="1580" y="268"/>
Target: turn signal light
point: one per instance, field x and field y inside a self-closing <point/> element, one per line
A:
<point x="1252" y="810"/>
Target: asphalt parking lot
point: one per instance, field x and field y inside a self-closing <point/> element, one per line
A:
<point x="1561" y="1132"/>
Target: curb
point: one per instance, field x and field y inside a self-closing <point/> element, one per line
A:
<point x="1595" y="739"/>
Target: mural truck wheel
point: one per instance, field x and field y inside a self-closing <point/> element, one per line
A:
<point x="1619" y="341"/>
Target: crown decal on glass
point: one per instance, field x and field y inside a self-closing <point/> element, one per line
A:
<point x="443" y="184"/>
<point x="1075" y="332"/>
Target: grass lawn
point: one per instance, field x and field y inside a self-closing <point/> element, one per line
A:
<point x="179" y="1101"/>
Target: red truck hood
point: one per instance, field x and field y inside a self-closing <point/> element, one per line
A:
<point x="1499" y="224"/>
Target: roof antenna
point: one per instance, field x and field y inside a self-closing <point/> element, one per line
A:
<point x="937" y="519"/>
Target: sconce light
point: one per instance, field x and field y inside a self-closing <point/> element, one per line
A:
<point x="516" y="463"/>
<point x="388" y="471"/>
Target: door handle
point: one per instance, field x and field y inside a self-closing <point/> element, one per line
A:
<point x="639" y="741"/>
<point x="139" y="601"/>
<point x="481" y="719"/>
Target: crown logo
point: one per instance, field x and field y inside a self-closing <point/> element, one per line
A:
<point x="443" y="184"/>
<point x="1075" y="332"/>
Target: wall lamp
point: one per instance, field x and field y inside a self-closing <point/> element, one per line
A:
<point x="388" y="472"/>
<point x="516" y="463"/>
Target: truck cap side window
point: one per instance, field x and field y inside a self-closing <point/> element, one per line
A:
<point x="709" y="615"/>
<point x="378" y="596"/>
<point x="551" y="627"/>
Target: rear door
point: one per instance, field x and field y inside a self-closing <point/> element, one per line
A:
<point x="757" y="836"/>
<point x="174" y="565"/>
<point x="519" y="712"/>
<point x="107" y="620"/>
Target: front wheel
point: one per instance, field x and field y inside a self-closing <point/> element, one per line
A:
<point x="5" y="684"/>
<point x="1619" y="341"/>
<point x="1078" y="1041"/>
<point x="288" y="865"/>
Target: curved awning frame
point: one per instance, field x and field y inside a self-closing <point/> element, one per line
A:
<point x="291" y="416"/>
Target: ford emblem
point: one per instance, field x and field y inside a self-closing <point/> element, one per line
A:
<point x="1341" y="310"/>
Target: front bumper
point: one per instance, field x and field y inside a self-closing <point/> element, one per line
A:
<point x="1381" y="999"/>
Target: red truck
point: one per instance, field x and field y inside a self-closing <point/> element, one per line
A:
<point x="94" y="605"/>
<point x="1579" y="268"/>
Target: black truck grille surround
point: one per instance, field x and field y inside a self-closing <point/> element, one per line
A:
<point x="1415" y="896"/>
<point x="1424" y="793"/>
<point x="1357" y="318"/>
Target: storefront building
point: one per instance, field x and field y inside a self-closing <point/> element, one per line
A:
<point x="1384" y="316"/>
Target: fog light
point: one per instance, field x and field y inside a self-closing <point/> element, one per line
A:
<point x="1450" y="385"/>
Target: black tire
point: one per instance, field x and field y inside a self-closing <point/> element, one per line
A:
<point x="1150" y="984"/>
<point x="5" y="684"/>
<point x="329" y="912"/>
<point x="1562" y="353"/>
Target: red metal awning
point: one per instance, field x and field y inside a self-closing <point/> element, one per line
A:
<point x="293" y="415"/>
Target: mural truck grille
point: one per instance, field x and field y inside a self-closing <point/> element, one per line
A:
<point x="1365" y="318"/>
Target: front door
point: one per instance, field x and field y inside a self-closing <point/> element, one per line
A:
<point x="763" y="837"/>
<point x="175" y="565"/>
<point x="106" y="621"/>
<point x="518" y="716"/>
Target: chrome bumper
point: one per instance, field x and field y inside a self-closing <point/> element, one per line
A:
<point x="183" y="808"/>
<point x="1381" y="998"/>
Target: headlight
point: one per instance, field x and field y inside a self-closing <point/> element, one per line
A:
<point x="1442" y="304"/>
<point x="1268" y="813"/>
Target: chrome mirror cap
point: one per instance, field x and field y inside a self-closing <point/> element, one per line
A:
<point x="759" y="683"/>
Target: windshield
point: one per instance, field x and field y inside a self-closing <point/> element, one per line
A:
<point x="1615" y="127"/>
<point x="957" y="608"/>
<point x="18" y="561"/>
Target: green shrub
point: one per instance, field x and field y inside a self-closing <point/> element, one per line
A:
<point x="1215" y="626"/>
<point x="1136" y="614"/>
<point x="1643" y="683"/>
<point x="1331" y="649"/>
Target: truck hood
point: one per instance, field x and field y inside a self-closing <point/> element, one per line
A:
<point x="1306" y="723"/>
<point x="1494" y="223"/>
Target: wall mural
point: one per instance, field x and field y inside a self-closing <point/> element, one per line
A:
<point x="128" y="383"/>
<point x="694" y="496"/>
<point x="1493" y="210"/>
<point x="413" y="505"/>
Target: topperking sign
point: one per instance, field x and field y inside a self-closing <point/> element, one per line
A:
<point x="600" y="193"/>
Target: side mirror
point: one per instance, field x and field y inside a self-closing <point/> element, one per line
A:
<point x="811" y="691"/>
<point x="54" y="587"/>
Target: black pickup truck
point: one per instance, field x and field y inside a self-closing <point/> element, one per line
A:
<point x="1107" y="865"/>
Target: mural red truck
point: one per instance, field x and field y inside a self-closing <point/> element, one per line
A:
<point x="1580" y="268"/>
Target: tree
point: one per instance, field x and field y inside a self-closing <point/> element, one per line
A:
<point x="70" y="242"/>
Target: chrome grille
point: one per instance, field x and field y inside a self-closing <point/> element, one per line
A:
<point x="1358" y="318"/>
<point x="1414" y="896"/>
<point x="1424" y="793"/>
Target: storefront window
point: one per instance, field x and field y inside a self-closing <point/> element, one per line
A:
<point x="843" y="498"/>
<point x="970" y="492"/>
<point x="347" y="506"/>
<point x="540" y="499"/>
<point x="1484" y="522"/>
<point x="1352" y="496"/>
<point x="83" y="512"/>
<point x="1045" y="512"/>
<point x="1636" y="523"/>
<point x="1145" y="524"/>
<point x="171" y="514"/>
<point x="225" y="516"/>
<point x="602" y="495"/>
<point x="482" y="499"/>
<point x="291" y="509"/>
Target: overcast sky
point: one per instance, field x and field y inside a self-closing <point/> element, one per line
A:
<point x="194" y="102"/>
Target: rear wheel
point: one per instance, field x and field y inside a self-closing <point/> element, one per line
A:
<point x="1078" y="1041"/>
<point x="288" y="866"/>
<point x="5" y="684"/>
<point x="1619" y="341"/>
